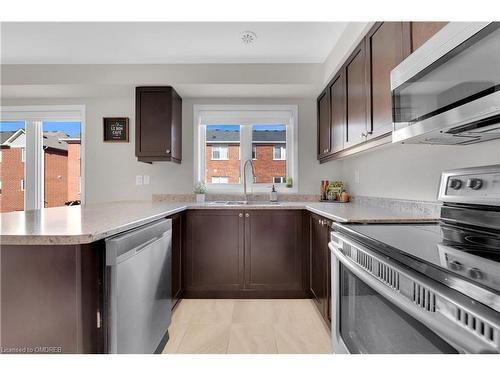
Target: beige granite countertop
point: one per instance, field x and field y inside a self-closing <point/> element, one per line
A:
<point x="85" y="224"/>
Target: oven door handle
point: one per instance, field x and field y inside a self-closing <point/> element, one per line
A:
<point x="449" y="329"/>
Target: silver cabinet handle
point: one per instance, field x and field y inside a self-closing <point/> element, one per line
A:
<point x="168" y="151"/>
<point x="240" y="214"/>
<point x="365" y="134"/>
<point x="319" y="221"/>
<point x="325" y="150"/>
<point x="247" y="215"/>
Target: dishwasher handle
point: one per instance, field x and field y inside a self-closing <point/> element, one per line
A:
<point x="127" y="244"/>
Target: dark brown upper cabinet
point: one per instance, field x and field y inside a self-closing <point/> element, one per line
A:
<point x="324" y="124"/>
<point x="387" y="44"/>
<point x="355" y="88"/>
<point x="158" y="124"/>
<point x="355" y="109"/>
<point x="337" y="112"/>
<point x="422" y="31"/>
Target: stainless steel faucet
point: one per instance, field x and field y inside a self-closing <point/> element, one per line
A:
<point x="245" y="177"/>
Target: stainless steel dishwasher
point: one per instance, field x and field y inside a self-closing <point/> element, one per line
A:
<point x="138" y="290"/>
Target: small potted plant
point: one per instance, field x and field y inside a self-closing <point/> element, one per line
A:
<point x="200" y="189"/>
<point x="334" y="190"/>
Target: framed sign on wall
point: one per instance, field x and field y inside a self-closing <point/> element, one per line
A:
<point x="115" y="129"/>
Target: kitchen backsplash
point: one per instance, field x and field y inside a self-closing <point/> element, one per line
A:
<point x="422" y="207"/>
<point x="235" y="197"/>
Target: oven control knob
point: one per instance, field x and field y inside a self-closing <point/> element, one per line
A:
<point x="456" y="266"/>
<point x="455" y="184"/>
<point x="474" y="183"/>
<point x="475" y="273"/>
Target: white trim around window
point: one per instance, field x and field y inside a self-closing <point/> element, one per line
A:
<point x="279" y="152"/>
<point x="245" y="116"/>
<point x="220" y="152"/>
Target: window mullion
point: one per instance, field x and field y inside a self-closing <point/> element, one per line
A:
<point x="246" y="150"/>
<point x="34" y="166"/>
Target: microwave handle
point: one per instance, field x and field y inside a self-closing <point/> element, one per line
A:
<point x="451" y="331"/>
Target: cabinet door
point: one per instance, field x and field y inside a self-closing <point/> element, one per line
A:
<point x="337" y="112"/>
<point x="328" y="317"/>
<point x="177" y="273"/>
<point x="324" y="133"/>
<point x="273" y="259"/>
<point x="385" y="49"/>
<point x="153" y="121"/>
<point x="176" y="143"/>
<point x="214" y="250"/>
<point x="318" y="263"/>
<point x="355" y="82"/>
<point x="422" y="31"/>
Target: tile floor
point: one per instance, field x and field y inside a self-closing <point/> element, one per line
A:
<point x="262" y="326"/>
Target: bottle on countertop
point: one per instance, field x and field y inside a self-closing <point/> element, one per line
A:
<point x="273" y="196"/>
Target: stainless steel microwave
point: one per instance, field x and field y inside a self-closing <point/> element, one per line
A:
<point x="448" y="90"/>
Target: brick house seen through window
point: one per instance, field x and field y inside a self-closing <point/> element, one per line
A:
<point x="222" y="154"/>
<point x="61" y="169"/>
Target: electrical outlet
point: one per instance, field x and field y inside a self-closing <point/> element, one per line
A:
<point x="138" y="179"/>
<point x="146" y="179"/>
<point x="356" y="176"/>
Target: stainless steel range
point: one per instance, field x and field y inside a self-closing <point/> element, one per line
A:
<point x="423" y="288"/>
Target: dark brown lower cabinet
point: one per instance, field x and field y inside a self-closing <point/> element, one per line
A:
<point x="52" y="298"/>
<point x="177" y="263"/>
<point x="247" y="253"/>
<point x="214" y="251"/>
<point x="273" y="259"/>
<point x="320" y="265"/>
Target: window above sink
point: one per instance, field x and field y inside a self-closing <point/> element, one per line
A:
<point x="228" y="135"/>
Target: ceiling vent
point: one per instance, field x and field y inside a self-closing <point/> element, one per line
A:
<point x="248" y="37"/>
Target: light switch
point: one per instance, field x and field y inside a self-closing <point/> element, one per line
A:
<point x="138" y="179"/>
<point x="146" y="179"/>
<point x="356" y="176"/>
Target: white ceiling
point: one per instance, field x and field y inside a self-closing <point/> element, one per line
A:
<point x="167" y="42"/>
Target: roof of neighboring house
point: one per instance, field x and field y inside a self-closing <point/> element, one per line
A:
<point x="52" y="139"/>
<point x="269" y="136"/>
<point x="6" y="135"/>
<point x="258" y="136"/>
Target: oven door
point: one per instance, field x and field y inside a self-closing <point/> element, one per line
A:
<point x="379" y="307"/>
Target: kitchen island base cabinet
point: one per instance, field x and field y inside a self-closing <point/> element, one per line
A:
<point x="244" y="254"/>
<point x="52" y="299"/>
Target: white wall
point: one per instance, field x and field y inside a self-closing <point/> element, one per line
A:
<point x="111" y="167"/>
<point x="412" y="171"/>
<point x="392" y="171"/>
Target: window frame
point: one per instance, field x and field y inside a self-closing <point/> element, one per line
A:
<point x="281" y="152"/>
<point x="33" y="117"/>
<point x="220" y="145"/>
<point x="245" y="116"/>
